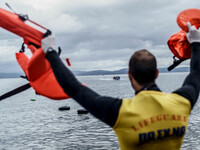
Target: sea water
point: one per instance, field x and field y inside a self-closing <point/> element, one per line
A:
<point x="27" y="124"/>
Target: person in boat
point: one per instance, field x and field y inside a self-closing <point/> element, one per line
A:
<point x="151" y="119"/>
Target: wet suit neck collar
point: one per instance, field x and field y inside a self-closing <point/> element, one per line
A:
<point x="151" y="86"/>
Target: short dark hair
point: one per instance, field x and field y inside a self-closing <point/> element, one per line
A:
<point x="143" y="66"/>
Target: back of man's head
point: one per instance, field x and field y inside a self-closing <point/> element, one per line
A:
<point x="143" y="67"/>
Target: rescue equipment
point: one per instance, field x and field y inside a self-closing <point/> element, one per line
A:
<point x="36" y="68"/>
<point x="178" y="43"/>
<point x="180" y="47"/>
<point x="191" y="15"/>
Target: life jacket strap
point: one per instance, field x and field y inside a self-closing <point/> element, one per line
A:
<point x="176" y="63"/>
<point x="15" y="91"/>
<point x="22" y="50"/>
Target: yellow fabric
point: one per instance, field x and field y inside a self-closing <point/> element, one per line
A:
<point x="152" y="120"/>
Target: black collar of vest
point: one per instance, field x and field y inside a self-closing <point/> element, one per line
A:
<point x="151" y="86"/>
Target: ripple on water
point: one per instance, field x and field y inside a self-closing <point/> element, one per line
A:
<point x="39" y="124"/>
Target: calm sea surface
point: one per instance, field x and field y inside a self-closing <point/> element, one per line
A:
<point x="26" y="124"/>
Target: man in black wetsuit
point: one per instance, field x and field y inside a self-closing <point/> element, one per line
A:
<point x="150" y="120"/>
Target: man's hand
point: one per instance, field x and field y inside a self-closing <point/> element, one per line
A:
<point x="193" y="35"/>
<point x="48" y="43"/>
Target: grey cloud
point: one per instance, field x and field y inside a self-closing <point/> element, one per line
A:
<point x="103" y="34"/>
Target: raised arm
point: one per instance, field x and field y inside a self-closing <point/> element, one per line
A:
<point x="104" y="108"/>
<point x="191" y="86"/>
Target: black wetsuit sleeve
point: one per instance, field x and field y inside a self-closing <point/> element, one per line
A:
<point x="191" y="85"/>
<point x="104" y="108"/>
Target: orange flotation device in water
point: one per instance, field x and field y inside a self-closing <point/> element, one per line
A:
<point x="178" y="43"/>
<point x="36" y="68"/>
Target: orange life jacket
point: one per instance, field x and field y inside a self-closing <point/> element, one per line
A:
<point x="36" y="68"/>
<point x="178" y="43"/>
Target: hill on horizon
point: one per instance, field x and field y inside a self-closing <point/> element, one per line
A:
<point x="125" y="71"/>
<point x="99" y="72"/>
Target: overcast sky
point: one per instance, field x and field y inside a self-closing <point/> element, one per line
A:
<point x="99" y="34"/>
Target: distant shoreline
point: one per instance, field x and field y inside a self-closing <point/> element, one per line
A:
<point x="125" y="71"/>
<point x="99" y="72"/>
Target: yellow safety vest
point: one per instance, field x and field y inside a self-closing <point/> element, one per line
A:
<point x="152" y="120"/>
